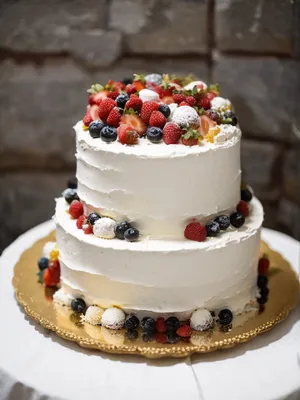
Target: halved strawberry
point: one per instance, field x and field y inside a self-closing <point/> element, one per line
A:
<point x="127" y="135"/>
<point x="135" y="121"/>
<point x="93" y="111"/>
<point x="206" y="124"/>
<point x="167" y="100"/>
<point x="98" y="97"/>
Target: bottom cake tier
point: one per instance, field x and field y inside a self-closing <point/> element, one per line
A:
<point x="160" y="277"/>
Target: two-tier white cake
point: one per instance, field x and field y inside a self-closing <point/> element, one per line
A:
<point x="184" y="258"/>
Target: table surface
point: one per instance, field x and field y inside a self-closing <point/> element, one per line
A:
<point x="37" y="364"/>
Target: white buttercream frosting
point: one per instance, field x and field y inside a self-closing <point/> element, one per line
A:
<point x="105" y="228"/>
<point x="186" y="116"/>
<point x="227" y="132"/>
<point x="148" y="95"/>
<point x="220" y="104"/>
<point x="113" y="318"/>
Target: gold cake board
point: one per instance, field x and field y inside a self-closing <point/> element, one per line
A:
<point x="37" y="303"/>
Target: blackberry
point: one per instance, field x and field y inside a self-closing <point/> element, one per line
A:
<point x="223" y="221"/>
<point x="148" y="324"/>
<point x="230" y="117"/>
<point x="262" y="299"/>
<point x="121" y="228"/>
<point x="148" y="336"/>
<point x="172" y="324"/>
<point x="262" y="281"/>
<point x="237" y="219"/>
<point x="132" y="334"/>
<point x="246" y="195"/>
<point x="131" y="322"/>
<point x="78" y="305"/>
<point x="172" y="337"/>
<point x="212" y="228"/>
<point x="127" y="81"/>
<point x="225" y="316"/>
<point x="264" y="291"/>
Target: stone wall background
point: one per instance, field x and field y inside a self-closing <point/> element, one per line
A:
<point x="51" y="51"/>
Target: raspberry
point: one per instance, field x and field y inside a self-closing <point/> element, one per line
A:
<point x="263" y="265"/>
<point x="178" y="97"/>
<point x="157" y="119"/>
<point x="87" y="120"/>
<point x="147" y="109"/>
<point x="191" y="100"/>
<point x="204" y="102"/>
<point x="172" y="133"/>
<point x="213" y="115"/>
<point x="113" y="95"/>
<point x="134" y="102"/>
<point x="80" y="221"/>
<point x="195" y="231"/>
<point x="243" y="208"/>
<point x="76" y="209"/>
<point x="161" y="338"/>
<point x="114" y="117"/>
<point x="184" y="331"/>
<point x="105" y="108"/>
<point x="160" y="325"/>
<point x="87" y="229"/>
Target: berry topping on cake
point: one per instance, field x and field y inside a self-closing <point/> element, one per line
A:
<point x="223" y="221"/>
<point x="160" y="325"/>
<point x="148" y="324"/>
<point x="186" y="117"/>
<point x="147" y="109"/>
<point x="87" y="229"/>
<point x="165" y="110"/>
<point x="213" y="115"/>
<point x="82" y="220"/>
<point x="154" y="134"/>
<point x="87" y="119"/>
<point x="206" y="125"/>
<point x="76" y="209"/>
<point x="92" y="218"/>
<point x="148" y="336"/>
<point x="172" y="324"/>
<point x="78" y="305"/>
<point x="131" y="235"/>
<point x="243" y="208"/>
<point x="191" y="101"/>
<point x="190" y="138"/>
<point x="262" y="281"/>
<point x="131" y="322"/>
<point x="99" y="97"/>
<point x="70" y="195"/>
<point x="184" y="331"/>
<point x="113" y="318"/>
<point x="121" y="228"/>
<point x="161" y="338"/>
<point x="105" y="108"/>
<point x="157" y="119"/>
<point x="263" y="264"/>
<point x="114" y="117"/>
<point x="94" y="112"/>
<point x="51" y="277"/>
<point x="148" y="95"/>
<point x="195" y="231"/>
<point x="131" y="334"/>
<point x="237" y="219"/>
<point x="212" y="228"/>
<point x="229" y="118"/>
<point x="113" y="95"/>
<point x="246" y="195"/>
<point x="109" y="134"/>
<point x="139" y="82"/>
<point x="104" y="228"/>
<point x="225" y="317"/>
<point x="43" y="263"/>
<point x="172" y="337"/>
<point x="93" y="315"/>
<point x="136" y="122"/>
<point x="184" y="103"/>
<point x="172" y="133"/>
<point x="72" y="183"/>
<point x="121" y="100"/>
<point x="178" y="97"/>
<point x="130" y="89"/>
<point x="127" y="135"/>
<point x="134" y="102"/>
<point x="204" y="102"/>
<point x="95" y="128"/>
<point x="201" y="320"/>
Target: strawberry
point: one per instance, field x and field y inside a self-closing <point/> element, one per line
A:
<point x="161" y="338"/>
<point x="80" y="221"/>
<point x="157" y="119"/>
<point x="134" y="102"/>
<point x="139" y="82"/>
<point x="210" y="96"/>
<point x="167" y="100"/>
<point x="204" y="102"/>
<point x="91" y="100"/>
<point x="172" y="133"/>
<point x="130" y="89"/>
<point x="105" y="108"/>
<point x="183" y="103"/>
<point x="93" y="111"/>
<point x="87" y="229"/>
<point x="190" y="138"/>
<point x="54" y="264"/>
<point x="76" y="209"/>
<point x="263" y="265"/>
<point x="160" y="325"/>
<point x="243" y="208"/>
<point x="127" y="135"/>
<point x="119" y="86"/>
<point x="51" y="277"/>
<point x="184" y="331"/>
<point x="147" y="108"/>
<point x="191" y="100"/>
<point x="114" y="117"/>
<point x="135" y="121"/>
<point x="195" y="231"/>
<point x="113" y="95"/>
<point x="167" y="92"/>
<point x="87" y="119"/>
<point x="98" y="97"/>
<point x="178" y="97"/>
<point x="206" y="124"/>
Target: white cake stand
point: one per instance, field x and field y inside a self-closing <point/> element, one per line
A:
<point x="37" y="364"/>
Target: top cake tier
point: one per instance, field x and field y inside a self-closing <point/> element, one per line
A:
<point x="160" y="152"/>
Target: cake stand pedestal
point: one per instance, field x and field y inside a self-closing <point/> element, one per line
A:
<point x="35" y="363"/>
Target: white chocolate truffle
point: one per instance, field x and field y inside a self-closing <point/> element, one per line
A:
<point x="148" y="95"/>
<point x="113" y="318"/>
<point x="195" y="83"/>
<point x="93" y="315"/>
<point x="220" y="104"/>
<point x="227" y="132"/>
<point x="186" y="116"/>
<point x="201" y="320"/>
<point x="105" y="228"/>
<point x="48" y="247"/>
<point x="62" y="298"/>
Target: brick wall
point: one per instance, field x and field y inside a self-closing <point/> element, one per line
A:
<point x="52" y="50"/>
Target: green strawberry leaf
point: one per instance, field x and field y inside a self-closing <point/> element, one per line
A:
<point x="139" y="77"/>
<point x="96" y="88"/>
<point x="191" y="134"/>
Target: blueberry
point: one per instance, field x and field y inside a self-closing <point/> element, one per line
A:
<point x="263" y="299"/>
<point x="72" y="183"/>
<point x="165" y="110"/>
<point x="148" y="324"/>
<point x="78" y="305"/>
<point x="127" y="81"/>
<point x="131" y="322"/>
<point x="154" y="134"/>
<point x="264" y="291"/>
<point x="70" y="195"/>
<point x="148" y="336"/>
<point x="262" y="281"/>
<point x="95" y="128"/>
<point x="122" y="100"/>
<point x="246" y="195"/>
<point x="93" y="217"/>
<point x="131" y="235"/>
<point x="237" y="219"/>
<point x="109" y="134"/>
<point x="212" y="228"/>
<point x="230" y="118"/>
<point x="121" y="228"/>
<point x="172" y="324"/>
<point x="132" y="334"/>
<point x="225" y="316"/>
<point x="172" y="337"/>
<point x="43" y="263"/>
<point x="213" y="115"/>
<point x="223" y="221"/>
